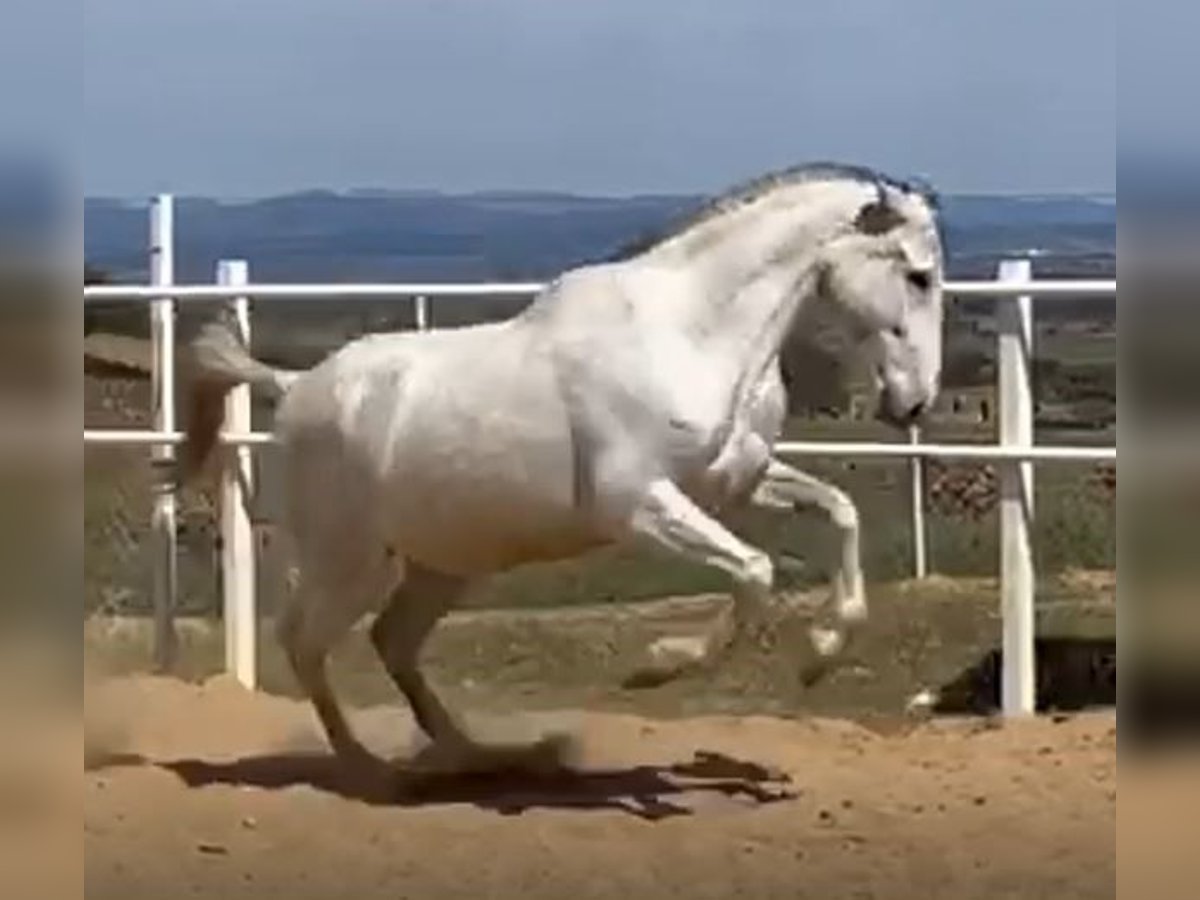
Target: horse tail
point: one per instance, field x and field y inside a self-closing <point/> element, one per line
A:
<point x="217" y="363"/>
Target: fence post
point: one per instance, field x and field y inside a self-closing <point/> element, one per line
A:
<point x="421" y="308"/>
<point x="163" y="518"/>
<point x="237" y="485"/>
<point x="917" y="480"/>
<point x="1014" y="321"/>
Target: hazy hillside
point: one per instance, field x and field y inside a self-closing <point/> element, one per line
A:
<point x="319" y="235"/>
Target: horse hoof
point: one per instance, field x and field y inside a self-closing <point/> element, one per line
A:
<point x="550" y="753"/>
<point x="827" y="642"/>
<point x="814" y="674"/>
<point x="669" y="658"/>
<point x="554" y="752"/>
<point x="648" y="677"/>
<point x="443" y="758"/>
<point x="365" y="775"/>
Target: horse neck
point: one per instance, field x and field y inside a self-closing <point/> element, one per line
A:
<point x="750" y="277"/>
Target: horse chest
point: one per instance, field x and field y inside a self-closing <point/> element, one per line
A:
<point x="733" y="470"/>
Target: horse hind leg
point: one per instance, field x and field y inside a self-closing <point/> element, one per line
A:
<point x="314" y="620"/>
<point x="398" y="634"/>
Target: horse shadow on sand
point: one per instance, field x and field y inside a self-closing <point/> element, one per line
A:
<point x="648" y="792"/>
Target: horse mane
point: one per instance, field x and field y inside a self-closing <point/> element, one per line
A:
<point x="754" y="189"/>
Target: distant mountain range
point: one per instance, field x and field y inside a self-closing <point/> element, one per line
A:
<point x="422" y="235"/>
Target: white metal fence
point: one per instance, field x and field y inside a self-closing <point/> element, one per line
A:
<point x="1013" y="291"/>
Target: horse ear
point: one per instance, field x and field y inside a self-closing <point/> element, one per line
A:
<point x="877" y="217"/>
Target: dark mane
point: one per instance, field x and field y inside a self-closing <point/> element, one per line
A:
<point x="749" y="191"/>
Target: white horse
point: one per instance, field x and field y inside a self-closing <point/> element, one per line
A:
<point x="632" y="399"/>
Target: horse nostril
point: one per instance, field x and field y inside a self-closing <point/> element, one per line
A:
<point x="915" y="413"/>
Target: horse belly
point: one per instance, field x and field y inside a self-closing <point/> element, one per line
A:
<point x="472" y="526"/>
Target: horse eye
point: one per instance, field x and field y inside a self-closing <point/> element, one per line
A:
<point x="919" y="279"/>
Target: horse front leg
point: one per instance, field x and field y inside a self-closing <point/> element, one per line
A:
<point x="785" y="487"/>
<point x="670" y="519"/>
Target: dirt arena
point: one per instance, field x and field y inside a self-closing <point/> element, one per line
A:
<point x="206" y="790"/>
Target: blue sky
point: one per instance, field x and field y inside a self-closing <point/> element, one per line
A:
<point x="251" y="97"/>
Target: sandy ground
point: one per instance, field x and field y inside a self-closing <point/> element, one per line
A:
<point x="41" y="782"/>
<point x="205" y="790"/>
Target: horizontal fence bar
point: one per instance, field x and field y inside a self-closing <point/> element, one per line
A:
<point x="1037" y="288"/>
<point x="383" y="291"/>
<point x="131" y="437"/>
<point x="1047" y="287"/>
<point x="947" y="451"/>
<point x="145" y="437"/>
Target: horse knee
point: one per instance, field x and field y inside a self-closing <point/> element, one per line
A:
<point x="845" y="514"/>
<point x="757" y="575"/>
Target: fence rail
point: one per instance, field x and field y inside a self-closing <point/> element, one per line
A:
<point x="1048" y="289"/>
<point x="966" y="452"/>
<point x="1013" y="290"/>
